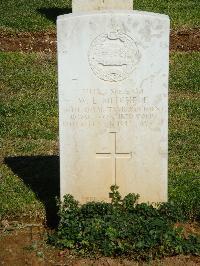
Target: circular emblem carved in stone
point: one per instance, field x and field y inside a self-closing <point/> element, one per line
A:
<point x="113" y="56"/>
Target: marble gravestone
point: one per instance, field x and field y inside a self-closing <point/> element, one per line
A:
<point x="113" y="103"/>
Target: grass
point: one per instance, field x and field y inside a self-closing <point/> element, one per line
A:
<point x="30" y="83"/>
<point x="184" y="113"/>
<point x="40" y="15"/>
<point x="28" y="127"/>
<point x="29" y="171"/>
<point x="184" y="76"/>
<point x="183" y="13"/>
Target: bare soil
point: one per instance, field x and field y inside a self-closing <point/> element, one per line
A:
<point x="25" y="245"/>
<point x="183" y="40"/>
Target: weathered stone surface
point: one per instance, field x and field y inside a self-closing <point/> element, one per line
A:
<point x="89" y="5"/>
<point x="113" y="101"/>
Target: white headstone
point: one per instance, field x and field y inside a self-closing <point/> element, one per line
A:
<point x="113" y="104"/>
<point x="89" y="5"/>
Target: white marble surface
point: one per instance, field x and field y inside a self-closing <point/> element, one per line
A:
<point x="89" y="5"/>
<point x="113" y="104"/>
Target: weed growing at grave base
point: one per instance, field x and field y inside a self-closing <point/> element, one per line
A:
<point x="121" y="228"/>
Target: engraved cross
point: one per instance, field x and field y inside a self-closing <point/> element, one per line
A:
<point x="114" y="155"/>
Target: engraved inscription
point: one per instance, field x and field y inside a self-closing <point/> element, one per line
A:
<point x="112" y="109"/>
<point x="113" y="56"/>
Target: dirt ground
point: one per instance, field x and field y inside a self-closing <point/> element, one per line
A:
<point x="25" y="245"/>
<point x="183" y="40"/>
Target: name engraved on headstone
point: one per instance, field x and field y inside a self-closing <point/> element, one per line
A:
<point x="113" y="56"/>
<point x="111" y="110"/>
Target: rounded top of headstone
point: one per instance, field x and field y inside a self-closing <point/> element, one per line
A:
<point x="91" y="5"/>
<point x="141" y="14"/>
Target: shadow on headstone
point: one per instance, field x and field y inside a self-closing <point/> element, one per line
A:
<point x="53" y="12"/>
<point x="41" y="174"/>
